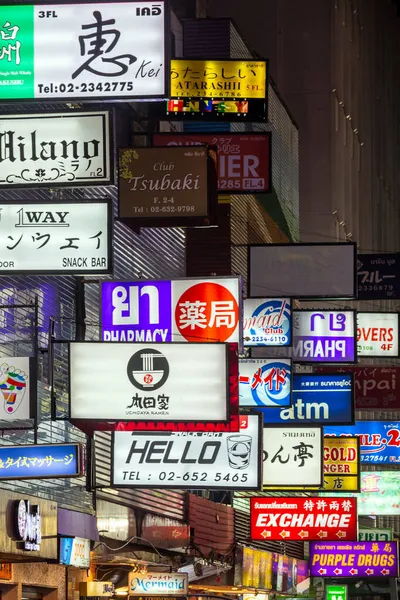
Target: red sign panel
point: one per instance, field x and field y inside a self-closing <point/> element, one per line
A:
<point x="244" y="160"/>
<point x="307" y="519"/>
<point x="374" y="387"/>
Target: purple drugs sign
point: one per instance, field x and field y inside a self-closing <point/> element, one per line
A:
<point x="354" y="559"/>
<point x="324" y="336"/>
<point x="136" y="312"/>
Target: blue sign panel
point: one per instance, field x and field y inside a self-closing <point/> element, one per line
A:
<point x="265" y="382"/>
<point x="317" y="399"/>
<point x="378" y="276"/>
<point x="40" y="461"/>
<point x="267" y="322"/>
<point x="379" y="440"/>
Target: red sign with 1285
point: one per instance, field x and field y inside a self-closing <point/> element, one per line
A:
<point x="307" y="519"/>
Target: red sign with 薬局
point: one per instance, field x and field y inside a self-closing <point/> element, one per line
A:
<point x="307" y="519"/>
<point x="244" y="159"/>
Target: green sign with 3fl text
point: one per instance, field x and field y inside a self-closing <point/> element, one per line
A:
<point x="336" y="592"/>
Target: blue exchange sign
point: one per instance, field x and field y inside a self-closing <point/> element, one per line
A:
<point x="40" y="461"/>
<point x="379" y="440"/>
<point x="317" y="399"/>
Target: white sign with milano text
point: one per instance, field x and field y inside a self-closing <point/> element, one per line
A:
<point x="149" y="382"/>
<point x="190" y="460"/>
<point x="51" y="149"/>
<point x="293" y="456"/>
<point x="55" y="238"/>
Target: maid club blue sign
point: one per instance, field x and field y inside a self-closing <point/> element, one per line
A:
<point x="265" y="382"/>
<point x="40" y="461"/>
<point x="317" y="399"/>
<point x="267" y="322"/>
<point x="379" y="440"/>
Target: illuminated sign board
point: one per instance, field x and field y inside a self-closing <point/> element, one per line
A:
<point x="353" y="559"/>
<point x="40" y="461"/>
<point x="378" y="276"/>
<point x="375" y="535"/>
<point x="264" y="382"/>
<point x="267" y="322"/>
<point x="378" y="334"/>
<point x="379" y="440"/>
<point x="157" y="584"/>
<point x="75" y="552"/>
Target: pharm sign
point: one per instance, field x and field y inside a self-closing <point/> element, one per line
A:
<point x="218" y="79"/>
<point x="303" y="519"/>
<point x="183" y="310"/>
<point x="82" y="51"/>
<point x="378" y="334"/>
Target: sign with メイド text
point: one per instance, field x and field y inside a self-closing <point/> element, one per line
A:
<point x="55" y="149"/>
<point x="264" y="382"/>
<point x="293" y="456"/>
<point x="192" y="310"/>
<point x="218" y="78"/>
<point x="378" y="334"/>
<point x="55" y="238"/>
<point x="375" y="534"/>
<point x="303" y="519"/>
<point x="267" y="322"/>
<point x="324" y="336"/>
<point x="148" y="382"/>
<point x="189" y="460"/>
<point x="353" y="559"/>
<point x="108" y="51"/>
<point x="157" y="584"/>
<point x="379" y="440"/>
<point x="40" y="461"/>
<point x="244" y="159"/>
<point x="378" y="276"/>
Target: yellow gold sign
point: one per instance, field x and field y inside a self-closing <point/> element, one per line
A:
<point x="341" y="467"/>
<point x="218" y="79"/>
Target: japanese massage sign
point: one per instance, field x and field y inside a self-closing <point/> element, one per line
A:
<point x="183" y="310"/>
<point x="303" y="518"/>
<point x="108" y="50"/>
<point x="218" y="79"/>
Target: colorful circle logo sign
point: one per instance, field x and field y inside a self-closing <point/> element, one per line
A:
<point x="207" y="312"/>
<point x="270" y="385"/>
<point x="148" y="369"/>
<point x="269" y="324"/>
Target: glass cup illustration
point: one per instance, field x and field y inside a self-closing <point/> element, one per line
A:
<point x="12" y="386"/>
<point x="239" y="451"/>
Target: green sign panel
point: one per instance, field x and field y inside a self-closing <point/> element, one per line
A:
<point x="336" y="592"/>
<point x="375" y="535"/>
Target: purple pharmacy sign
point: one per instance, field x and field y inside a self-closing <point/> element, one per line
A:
<point x="324" y="336"/>
<point x="354" y="559"/>
<point x="136" y="312"/>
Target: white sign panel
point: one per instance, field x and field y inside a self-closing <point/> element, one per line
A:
<point x="267" y="322"/>
<point x="378" y="334"/>
<point x="148" y="382"/>
<point x="16" y="388"/>
<point x="106" y="50"/>
<point x="51" y="149"/>
<point x="265" y="382"/>
<point x="303" y="270"/>
<point x="157" y="584"/>
<point x="55" y="238"/>
<point x="190" y="460"/>
<point x="293" y="456"/>
<point x="75" y="552"/>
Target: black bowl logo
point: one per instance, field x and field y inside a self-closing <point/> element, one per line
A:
<point x="148" y="369"/>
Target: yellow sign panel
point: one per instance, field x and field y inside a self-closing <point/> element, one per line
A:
<point x="218" y="79"/>
<point x="256" y="569"/>
<point x="341" y="467"/>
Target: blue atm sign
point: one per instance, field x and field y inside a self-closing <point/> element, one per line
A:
<point x="323" y="399"/>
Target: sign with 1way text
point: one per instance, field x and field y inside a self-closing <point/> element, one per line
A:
<point x="354" y="559"/>
<point x="303" y="519"/>
<point x="379" y="440"/>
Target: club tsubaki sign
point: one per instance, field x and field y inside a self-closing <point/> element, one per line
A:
<point x="303" y="518"/>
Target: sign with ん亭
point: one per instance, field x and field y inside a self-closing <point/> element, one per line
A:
<point x="379" y="440"/>
<point x="157" y="584"/>
<point x="336" y="592"/>
<point x="353" y="559"/>
<point x="55" y="238"/>
<point x="378" y="334"/>
<point x="218" y="78"/>
<point x="163" y="182"/>
<point x="267" y="322"/>
<point x="190" y="460"/>
<point x="108" y="51"/>
<point x="17" y="387"/>
<point x="40" y="461"/>
<point x="324" y="336"/>
<point x="244" y="160"/>
<point x="55" y="149"/>
<point x="148" y="382"/>
<point x="265" y="383"/>
<point x="293" y="456"/>
<point x="375" y="534"/>
<point x="192" y="310"/>
<point x="378" y="276"/>
<point x="316" y="398"/>
<point x="303" y="519"/>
